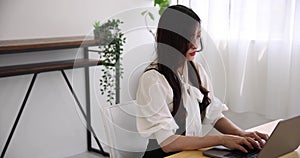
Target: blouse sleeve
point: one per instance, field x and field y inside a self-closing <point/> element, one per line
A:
<point x="216" y="107"/>
<point x="153" y="97"/>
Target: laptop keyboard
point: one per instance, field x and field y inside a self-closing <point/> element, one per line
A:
<point x="240" y="154"/>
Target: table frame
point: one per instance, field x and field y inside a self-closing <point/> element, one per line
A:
<point x="44" y="44"/>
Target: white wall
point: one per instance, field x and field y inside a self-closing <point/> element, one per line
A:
<point x="42" y="18"/>
<point x="51" y="125"/>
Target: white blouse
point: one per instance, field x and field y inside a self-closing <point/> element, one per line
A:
<point x="155" y="103"/>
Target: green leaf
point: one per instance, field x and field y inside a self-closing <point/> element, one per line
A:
<point x="157" y="2"/>
<point x="151" y="16"/>
<point x="144" y="12"/>
<point x="163" y="5"/>
<point x="161" y="10"/>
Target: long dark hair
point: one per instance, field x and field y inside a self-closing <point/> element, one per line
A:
<point x="175" y="28"/>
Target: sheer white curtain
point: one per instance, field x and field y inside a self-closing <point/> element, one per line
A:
<point x="259" y="43"/>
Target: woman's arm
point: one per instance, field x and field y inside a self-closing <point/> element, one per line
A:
<point x="224" y="125"/>
<point x="179" y="142"/>
<point x="234" y="138"/>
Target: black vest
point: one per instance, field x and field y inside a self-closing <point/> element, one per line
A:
<point x="153" y="148"/>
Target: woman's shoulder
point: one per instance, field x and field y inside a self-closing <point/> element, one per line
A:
<point x="151" y="75"/>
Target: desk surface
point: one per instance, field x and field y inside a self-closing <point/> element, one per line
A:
<point x="40" y="44"/>
<point x="46" y="66"/>
<point x="267" y="128"/>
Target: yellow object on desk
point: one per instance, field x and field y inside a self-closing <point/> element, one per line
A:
<point x="266" y="128"/>
<point x="188" y="154"/>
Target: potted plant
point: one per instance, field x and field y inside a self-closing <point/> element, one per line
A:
<point x="96" y="30"/>
<point x="163" y="5"/>
<point x="111" y="42"/>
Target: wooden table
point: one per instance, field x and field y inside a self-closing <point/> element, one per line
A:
<point x="44" y="44"/>
<point x="41" y="44"/>
<point x="266" y="128"/>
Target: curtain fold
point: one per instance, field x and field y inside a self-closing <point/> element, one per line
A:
<point x="259" y="44"/>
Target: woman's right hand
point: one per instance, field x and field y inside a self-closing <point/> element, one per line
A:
<point x="237" y="142"/>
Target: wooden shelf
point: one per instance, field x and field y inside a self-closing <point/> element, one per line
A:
<point x="46" y="66"/>
<point x="41" y="44"/>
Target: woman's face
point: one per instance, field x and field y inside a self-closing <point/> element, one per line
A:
<point x="194" y="44"/>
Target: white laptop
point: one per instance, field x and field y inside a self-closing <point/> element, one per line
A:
<point x="284" y="139"/>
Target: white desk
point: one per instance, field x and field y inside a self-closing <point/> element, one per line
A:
<point x="266" y="128"/>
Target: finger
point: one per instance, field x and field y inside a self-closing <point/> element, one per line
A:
<point x="249" y="142"/>
<point x="263" y="136"/>
<point x="241" y="148"/>
<point x="251" y="134"/>
<point x="256" y="137"/>
<point x="253" y="143"/>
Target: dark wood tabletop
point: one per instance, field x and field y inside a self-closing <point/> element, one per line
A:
<point x="41" y="44"/>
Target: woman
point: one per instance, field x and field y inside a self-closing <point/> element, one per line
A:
<point x="175" y="97"/>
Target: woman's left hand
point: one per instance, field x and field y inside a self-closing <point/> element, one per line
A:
<point x="256" y="136"/>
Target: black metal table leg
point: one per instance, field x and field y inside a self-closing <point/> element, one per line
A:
<point x="89" y="127"/>
<point x="18" y="116"/>
<point x="88" y="102"/>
